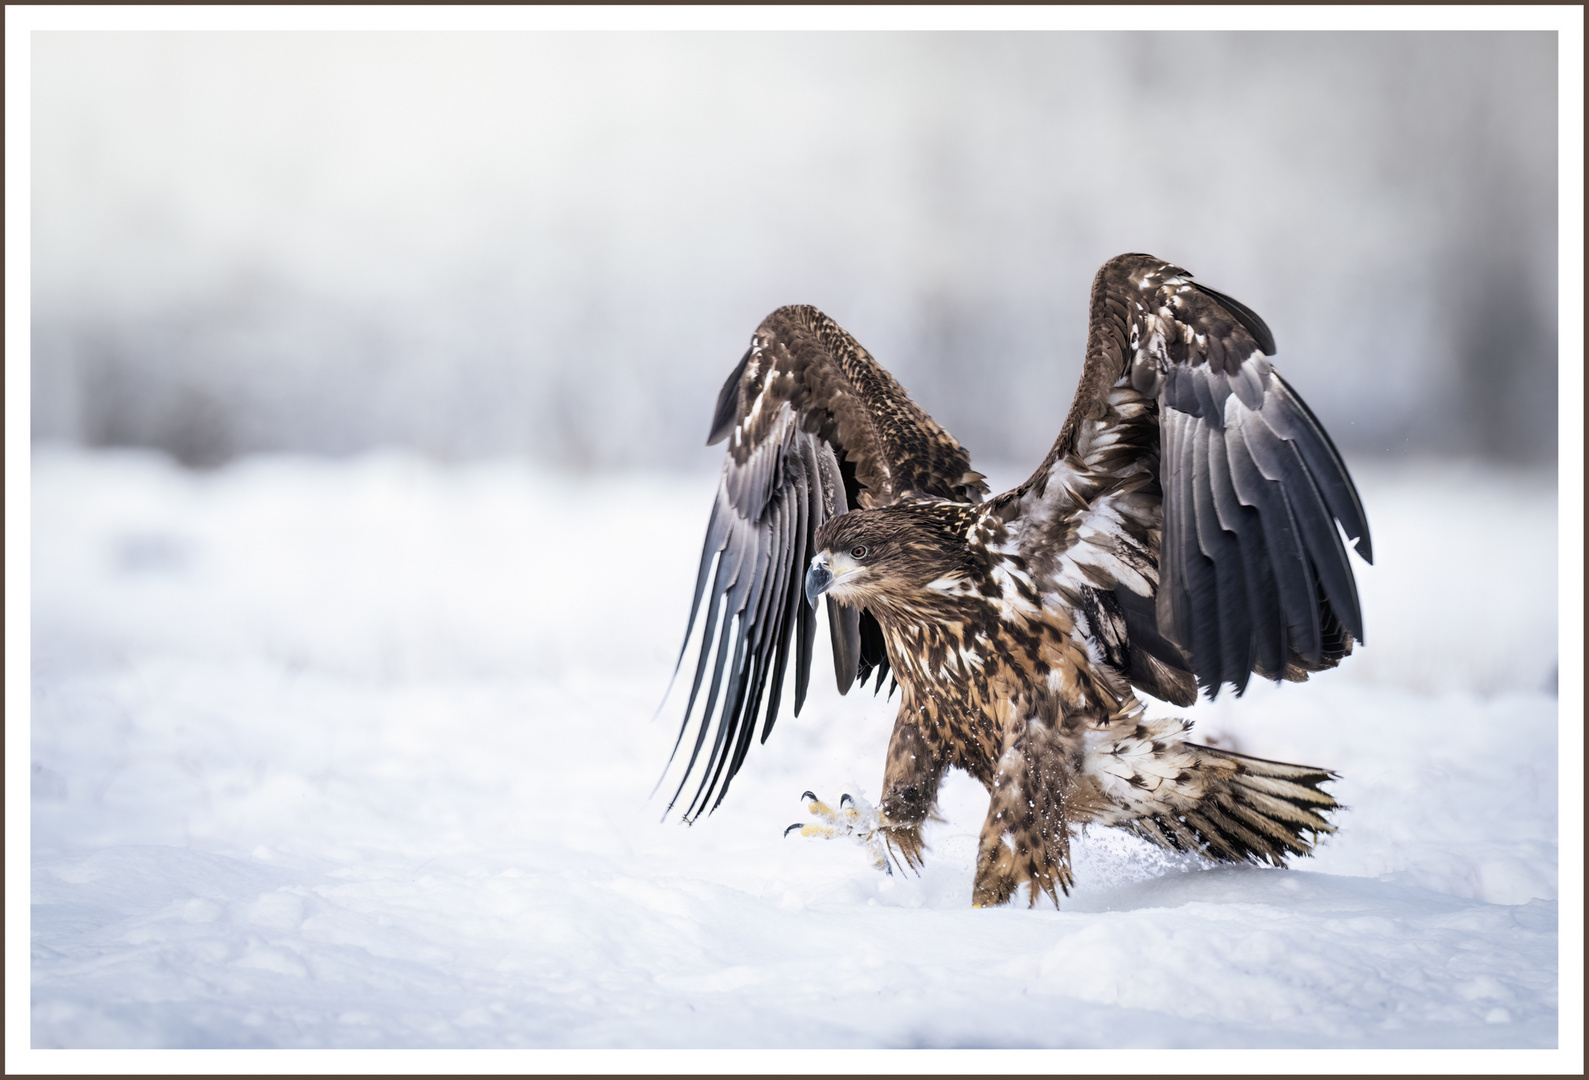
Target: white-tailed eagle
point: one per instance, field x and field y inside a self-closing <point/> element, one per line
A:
<point x="1180" y="534"/>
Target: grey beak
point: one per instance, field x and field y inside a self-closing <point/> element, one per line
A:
<point x="818" y="578"/>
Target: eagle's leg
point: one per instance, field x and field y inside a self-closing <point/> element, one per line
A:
<point x="910" y="788"/>
<point x="1026" y="836"/>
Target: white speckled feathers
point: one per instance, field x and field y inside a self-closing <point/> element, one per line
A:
<point x="1191" y="499"/>
<point x="1181" y="533"/>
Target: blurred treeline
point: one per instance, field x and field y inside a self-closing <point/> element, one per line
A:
<point x="557" y="245"/>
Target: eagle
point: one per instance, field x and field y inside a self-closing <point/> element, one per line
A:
<point x="1181" y="535"/>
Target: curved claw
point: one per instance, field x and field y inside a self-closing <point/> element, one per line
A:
<point x="855" y="818"/>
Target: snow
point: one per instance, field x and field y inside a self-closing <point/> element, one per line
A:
<point x="360" y="754"/>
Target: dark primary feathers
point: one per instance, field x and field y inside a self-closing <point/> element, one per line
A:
<point x="1191" y="497"/>
<point x="815" y="427"/>
<point x="1186" y="514"/>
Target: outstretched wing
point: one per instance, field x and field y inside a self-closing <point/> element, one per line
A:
<point x="814" y="428"/>
<point x="1188" y="508"/>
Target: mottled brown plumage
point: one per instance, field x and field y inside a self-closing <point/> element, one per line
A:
<point x="1180" y="533"/>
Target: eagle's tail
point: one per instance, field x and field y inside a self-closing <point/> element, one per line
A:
<point x="1246" y="809"/>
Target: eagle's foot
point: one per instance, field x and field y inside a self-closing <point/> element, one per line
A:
<point x="1026" y="837"/>
<point x="855" y="818"/>
<point x="1003" y="869"/>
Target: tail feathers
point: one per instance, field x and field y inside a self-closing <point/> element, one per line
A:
<point x="1251" y="810"/>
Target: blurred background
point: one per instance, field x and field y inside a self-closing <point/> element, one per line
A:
<point x="555" y="246"/>
<point x="328" y="328"/>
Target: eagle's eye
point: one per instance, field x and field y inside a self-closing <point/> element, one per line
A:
<point x="858" y="551"/>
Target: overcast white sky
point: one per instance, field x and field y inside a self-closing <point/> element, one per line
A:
<point x="557" y="244"/>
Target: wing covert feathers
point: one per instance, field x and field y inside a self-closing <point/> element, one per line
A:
<point x="814" y="427"/>
<point x="801" y="357"/>
<point x="1190" y="475"/>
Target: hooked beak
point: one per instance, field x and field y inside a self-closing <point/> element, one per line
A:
<point x="818" y="578"/>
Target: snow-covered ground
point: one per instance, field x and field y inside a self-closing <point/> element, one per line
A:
<point x="359" y="754"/>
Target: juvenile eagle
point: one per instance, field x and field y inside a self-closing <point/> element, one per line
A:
<point x="1180" y="534"/>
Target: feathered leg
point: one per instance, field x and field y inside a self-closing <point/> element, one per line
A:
<point x="1026" y="836"/>
<point x="910" y="788"/>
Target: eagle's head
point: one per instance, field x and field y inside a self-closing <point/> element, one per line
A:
<point x="878" y="558"/>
